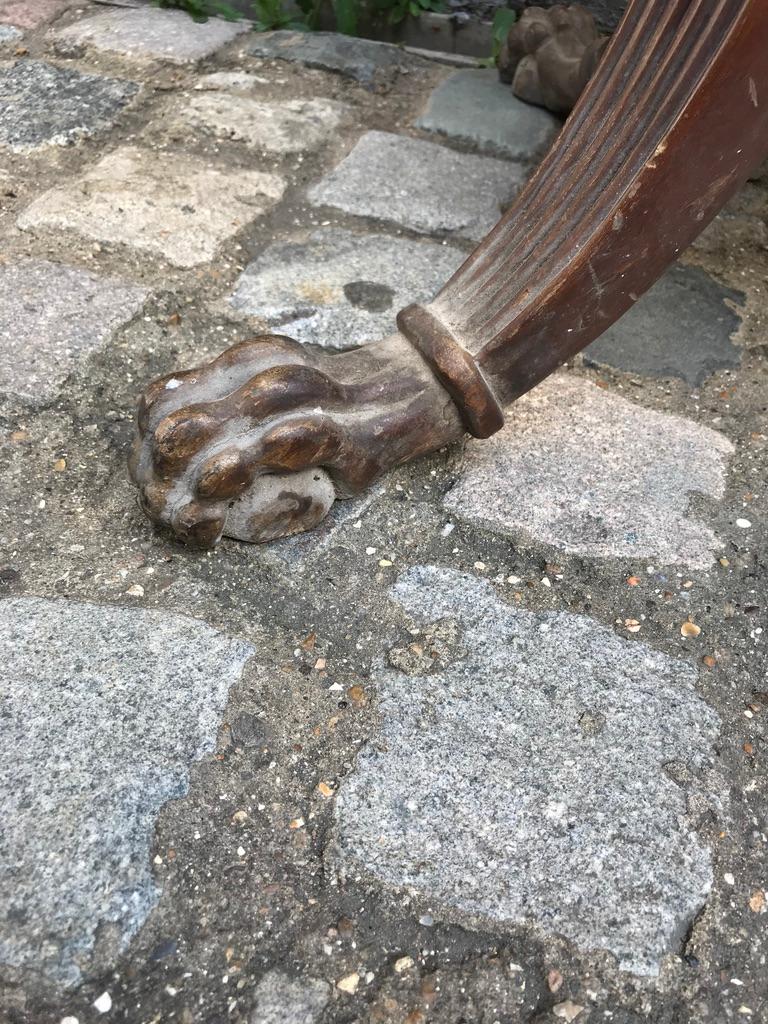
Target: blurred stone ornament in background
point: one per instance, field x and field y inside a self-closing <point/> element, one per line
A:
<point x="550" y="55"/>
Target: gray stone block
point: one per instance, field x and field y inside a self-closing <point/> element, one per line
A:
<point x="340" y="289"/>
<point x="30" y="13"/>
<point x="104" y="710"/>
<point x="178" y="207"/>
<point x="289" y="126"/>
<point x="420" y="185"/>
<point x="592" y="474"/>
<point x="474" y="107"/>
<point x="533" y="818"/>
<point x="682" y="327"/>
<point x="372" y="64"/>
<point x="51" y="318"/>
<point x="152" y="33"/>
<point x="41" y="104"/>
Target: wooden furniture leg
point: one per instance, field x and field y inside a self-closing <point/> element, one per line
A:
<point x="258" y="443"/>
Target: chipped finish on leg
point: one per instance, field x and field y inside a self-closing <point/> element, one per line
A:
<point x="255" y="444"/>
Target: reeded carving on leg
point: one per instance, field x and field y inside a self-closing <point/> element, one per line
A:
<point x="550" y="55"/>
<point x="258" y="443"/>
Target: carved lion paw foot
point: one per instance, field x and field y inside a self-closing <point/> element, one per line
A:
<point x="550" y="55"/>
<point x="259" y="442"/>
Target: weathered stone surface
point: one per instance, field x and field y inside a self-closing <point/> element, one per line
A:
<point x="340" y="289"/>
<point x="593" y="474"/>
<point x="281" y="999"/>
<point x="241" y="82"/>
<point x="532" y="818"/>
<point x="290" y="126"/>
<point x="475" y="107"/>
<point x="153" y="33"/>
<point x="51" y="318"/>
<point x="29" y="13"/>
<point x="41" y="104"/>
<point x="419" y="185"/>
<point x="374" y="65"/>
<point x="9" y="34"/>
<point x="180" y="208"/>
<point x="105" y="708"/>
<point x="682" y="327"/>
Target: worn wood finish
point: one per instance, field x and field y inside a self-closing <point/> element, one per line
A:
<point x="244" y="445"/>
<point x="670" y="125"/>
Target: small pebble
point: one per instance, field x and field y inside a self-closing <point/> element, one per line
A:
<point x="568" y="1010"/>
<point x="757" y="902"/>
<point x="104" y="1003"/>
<point x="349" y="983"/>
<point x="554" y="980"/>
<point x="743" y="524"/>
<point x="729" y="879"/>
<point x="690" y="630"/>
<point x="403" y="964"/>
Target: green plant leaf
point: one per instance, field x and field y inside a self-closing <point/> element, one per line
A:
<point x="346" y="16"/>
<point x="503" y="20"/>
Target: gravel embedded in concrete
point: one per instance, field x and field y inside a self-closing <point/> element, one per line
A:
<point x="51" y="318"/>
<point x="151" y="33"/>
<point x="41" y="104"/>
<point x="551" y="806"/>
<point x="340" y="289"/>
<point x="682" y="328"/>
<point x="105" y="709"/>
<point x="290" y="126"/>
<point x="372" y="64"/>
<point x="419" y="185"/>
<point x="474" y="107"/>
<point x="9" y="34"/>
<point x="178" y="207"/>
<point x="592" y="474"/>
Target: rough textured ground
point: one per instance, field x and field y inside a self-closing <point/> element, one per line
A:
<point x="490" y="744"/>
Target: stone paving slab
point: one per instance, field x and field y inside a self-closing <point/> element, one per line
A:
<point x="592" y="474"/>
<point x="552" y="805"/>
<point x="105" y="709"/>
<point x="474" y="107"/>
<point x="152" y="33"/>
<point x="29" y="13"/>
<point x="374" y="65"/>
<point x="51" y="318"/>
<point x="419" y="185"/>
<point x="340" y="289"/>
<point x="287" y="126"/>
<point x="41" y="104"/>
<point x="178" y="207"/>
<point x="682" y="328"/>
